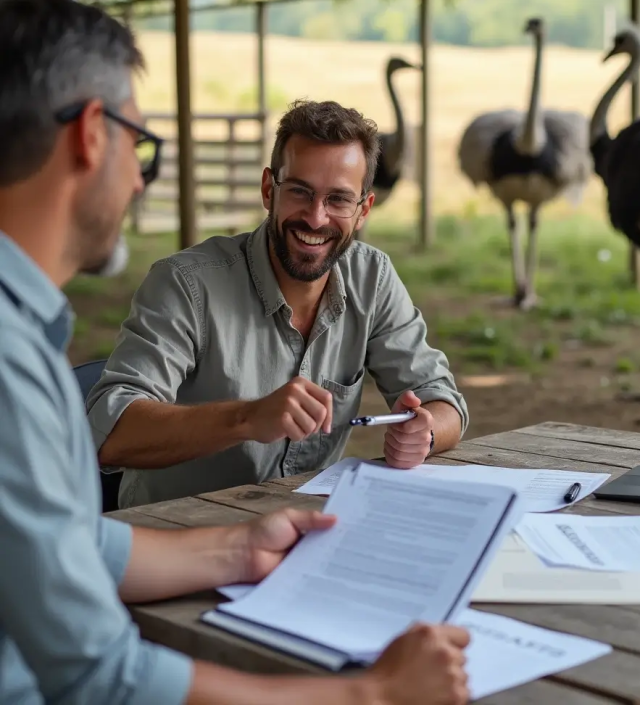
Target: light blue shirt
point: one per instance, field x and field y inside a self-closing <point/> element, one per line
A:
<point x="65" y="636"/>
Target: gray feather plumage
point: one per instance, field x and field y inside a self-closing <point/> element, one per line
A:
<point x="568" y="130"/>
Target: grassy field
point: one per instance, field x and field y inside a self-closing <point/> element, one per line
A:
<point x="576" y="358"/>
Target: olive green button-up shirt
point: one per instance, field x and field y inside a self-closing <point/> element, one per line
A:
<point x="211" y="324"/>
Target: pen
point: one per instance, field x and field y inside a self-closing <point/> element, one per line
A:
<point x="400" y="417"/>
<point x="572" y="492"/>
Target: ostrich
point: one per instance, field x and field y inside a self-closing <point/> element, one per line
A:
<point x="531" y="157"/>
<point x="392" y="145"/>
<point x="616" y="159"/>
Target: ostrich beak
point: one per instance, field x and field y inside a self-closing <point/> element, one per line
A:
<point x="607" y="56"/>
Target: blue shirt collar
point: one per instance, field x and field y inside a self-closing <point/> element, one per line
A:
<point x="29" y="287"/>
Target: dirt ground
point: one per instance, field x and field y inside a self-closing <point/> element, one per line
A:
<point x="568" y="392"/>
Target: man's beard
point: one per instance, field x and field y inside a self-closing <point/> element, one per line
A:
<point x="305" y="267"/>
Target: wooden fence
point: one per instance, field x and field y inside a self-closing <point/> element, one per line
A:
<point x="230" y="154"/>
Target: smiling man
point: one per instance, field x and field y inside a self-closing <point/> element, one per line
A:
<point x="243" y="358"/>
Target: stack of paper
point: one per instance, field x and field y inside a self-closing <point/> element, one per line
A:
<point x="503" y="652"/>
<point x="540" y="490"/>
<point x="602" y="543"/>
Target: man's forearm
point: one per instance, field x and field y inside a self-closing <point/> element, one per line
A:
<point x="215" y="684"/>
<point x="166" y="563"/>
<point x="447" y="425"/>
<point x="151" y="434"/>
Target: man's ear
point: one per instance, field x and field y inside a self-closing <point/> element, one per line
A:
<point x="267" y="188"/>
<point x="90" y="137"/>
<point x="365" y="209"/>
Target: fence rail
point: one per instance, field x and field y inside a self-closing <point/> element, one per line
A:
<point x="228" y="173"/>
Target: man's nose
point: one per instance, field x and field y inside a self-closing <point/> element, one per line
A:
<point x="315" y="213"/>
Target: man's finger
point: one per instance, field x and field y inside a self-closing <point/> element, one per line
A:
<point x="314" y="409"/>
<point x="456" y="635"/>
<point x="326" y="399"/>
<point x="400" y="460"/>
<point x="305" y="521"/>
<point x="407" y="400"/>
<point x="400" y="441"/>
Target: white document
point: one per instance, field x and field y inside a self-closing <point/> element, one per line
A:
<point x="517" y="575"/>
<point x="589" y="542"/>
<point x="505" y="653"/>
<point x="405" y="548"/>
<point x="541" y="490"/>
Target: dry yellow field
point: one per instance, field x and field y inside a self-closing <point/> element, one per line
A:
<point x="465" y="82"/>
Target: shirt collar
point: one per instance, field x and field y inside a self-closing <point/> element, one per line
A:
<point x="30" y="288"/>
<point x="266" y="283"/>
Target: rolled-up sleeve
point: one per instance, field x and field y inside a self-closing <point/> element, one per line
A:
<point x="58" y="595"/>
<point x="398" y="355"/>
<point x="156" y="348"/>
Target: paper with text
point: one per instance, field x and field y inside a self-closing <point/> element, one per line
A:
<point x="603" y="543"/>
<point x="503" y="652"/>
<point x="541" y="490"/>
<point x="405" y="548"/>
<point x="518" y="575"/>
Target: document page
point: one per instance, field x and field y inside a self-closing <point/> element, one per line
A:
<point x="591" y="542"/>
<point x="404" y="548"/>
<point x="541" y="490"/>
<point x="505" y="652"/>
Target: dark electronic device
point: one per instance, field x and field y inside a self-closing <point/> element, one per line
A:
<point x="625" y="488"/>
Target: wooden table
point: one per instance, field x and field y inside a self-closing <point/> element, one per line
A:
<point x="614" y="678"/>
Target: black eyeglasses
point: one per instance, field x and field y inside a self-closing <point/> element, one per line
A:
<point x="148" y="144"/>
<point x="338" y="205"/>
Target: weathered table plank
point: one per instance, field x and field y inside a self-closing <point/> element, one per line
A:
<point x="263" y="498"/>
<point x="545" y="692"/>
<point x="558" y="448"/>
<point x="191" y="511"/>
<point x="472" y="453"/>
<point x="136" y="518"/>
<point x="587" y="434"/>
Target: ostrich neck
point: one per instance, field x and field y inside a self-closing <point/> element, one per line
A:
<point x="396" y="148"/>
<point x="598" y="126"/>
<point x="532" y="137"/>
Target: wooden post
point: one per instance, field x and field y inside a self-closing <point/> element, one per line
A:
<point x="426" y="215"/>
<point x="261" y="32"/>
<point x="186" y="180"/>
<point x="634" y="253"/>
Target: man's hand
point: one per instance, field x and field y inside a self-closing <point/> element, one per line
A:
<point x="296" y="410"/>
<point x="424" y="666"/>
<point x="264" y="542"/>
<point x="407" y="444"/>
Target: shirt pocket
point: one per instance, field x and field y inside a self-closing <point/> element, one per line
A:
<point x="346" y="403"/>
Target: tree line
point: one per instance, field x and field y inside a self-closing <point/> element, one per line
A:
<point x="481" y="23"/>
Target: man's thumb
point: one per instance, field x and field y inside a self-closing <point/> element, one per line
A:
<point x="407" y="400"/>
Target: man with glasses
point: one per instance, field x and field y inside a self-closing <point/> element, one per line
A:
<point x="243" y="359"/>
<point x="70" y="134"/>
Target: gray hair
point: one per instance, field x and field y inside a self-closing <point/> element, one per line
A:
<point x="53" y="54"/>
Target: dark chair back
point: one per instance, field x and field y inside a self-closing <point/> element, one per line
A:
<point x="88" y="375"/>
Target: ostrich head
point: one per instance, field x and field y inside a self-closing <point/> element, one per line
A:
<point x="397" y="62"/>
<point x="626" y="41"/>
<point x="534" y="26"/>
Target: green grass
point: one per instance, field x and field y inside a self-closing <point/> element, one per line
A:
<point x="583" y="280"/>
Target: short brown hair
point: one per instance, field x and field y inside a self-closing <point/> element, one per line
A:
<point x="328" y="122"/>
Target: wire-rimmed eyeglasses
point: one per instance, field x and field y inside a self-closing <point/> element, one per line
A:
<point x="148" y="144"/>
<point x="339" y="205"/>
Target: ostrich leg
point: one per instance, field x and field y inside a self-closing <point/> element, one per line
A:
<point x="530" y="299"/>
<point x="517" y="261"/>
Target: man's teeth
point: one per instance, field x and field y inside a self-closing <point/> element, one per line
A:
<point x="309" y="239"/>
